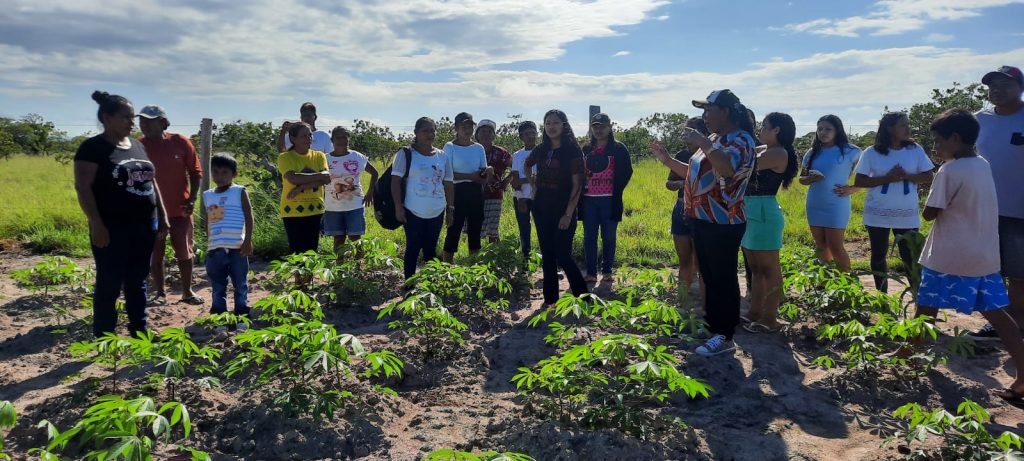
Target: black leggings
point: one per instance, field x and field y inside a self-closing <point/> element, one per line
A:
<point x="469" y="211"/>
<point x="122" y="264"/>
<point x="556" y="249"/>
<point x="879" y="237"/>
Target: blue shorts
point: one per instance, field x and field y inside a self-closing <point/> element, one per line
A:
<point x="681" y="224"/>
<point x="345" y="222"/>
<point x="963" y="293"/>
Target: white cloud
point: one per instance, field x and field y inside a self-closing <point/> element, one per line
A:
<point x="938" y="38"/>
<point x="619" y="54"/>
<point x="663" y="17"/>
<point x="892" y="17"/>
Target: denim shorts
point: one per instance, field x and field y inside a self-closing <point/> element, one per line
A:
<point x="681" y="224"/>
<point x="345" y="222"/>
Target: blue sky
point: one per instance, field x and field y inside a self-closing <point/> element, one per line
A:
<point x="392" y="62"/>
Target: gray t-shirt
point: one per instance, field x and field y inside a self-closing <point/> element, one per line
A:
<point x="1001" y="142"/>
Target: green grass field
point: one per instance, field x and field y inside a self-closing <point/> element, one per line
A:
<point x="40" y="207"/>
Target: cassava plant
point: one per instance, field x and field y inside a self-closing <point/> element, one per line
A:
<point x="963" y="435"/>
<point x="119" y="429"/>
<point x="449" y="454"/>
<point x="422" y="315"/>
<point x="8" y="418"/>
<point x="610" y="382"/>
<point x="308" y="366"/>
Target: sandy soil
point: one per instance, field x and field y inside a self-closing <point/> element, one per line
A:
<point x="769" y="404"/>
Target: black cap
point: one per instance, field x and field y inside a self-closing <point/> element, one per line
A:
<point x="601" y="118"/>
<point x="720" y="98"/>
<point x="464" y="117"/>
<point x="1004" y="71"/>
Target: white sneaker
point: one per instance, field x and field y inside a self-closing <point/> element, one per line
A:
<point x="241" y="326"/>
<point x="223" y="329"/>
<point x="716" y="345"/>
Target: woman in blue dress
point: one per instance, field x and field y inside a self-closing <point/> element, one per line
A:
<point x="827" y="168"/>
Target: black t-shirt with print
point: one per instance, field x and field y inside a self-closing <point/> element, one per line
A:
<point x="554" y="173"/>
<point x="124" y="187"/>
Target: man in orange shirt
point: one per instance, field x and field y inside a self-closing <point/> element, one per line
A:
<point x="178" y="175"/>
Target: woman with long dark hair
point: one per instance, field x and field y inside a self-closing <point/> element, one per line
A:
<point x="429" y="193"/>
<point x="116" y="189"/>
<point x="777" y="165"/>
<point x="716" y="185"/>
<point x="827" y="168"/>
<point x="608" y="170"/>
<point x="559" y="182"/>
<point x="891" y="171"/>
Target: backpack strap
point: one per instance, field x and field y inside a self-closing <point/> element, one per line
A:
<point x="408" y="162"/>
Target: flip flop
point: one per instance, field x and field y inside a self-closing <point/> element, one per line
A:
<point x="755" y="327"/>
<point x="745" y="320"/>
<point x="1012" y="397"/>
<point x="156" y="301"/>
<point x="193" y="300"/>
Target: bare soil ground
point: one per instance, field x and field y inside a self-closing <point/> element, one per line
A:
<point x="768" y="404"/>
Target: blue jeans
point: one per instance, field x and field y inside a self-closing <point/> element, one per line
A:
<point x="421" y="235"/>
<point x="597" y="217"/>
<point x="523" y="220"/>
<point x="124" y="263"/>
<point x="222" y="264"/>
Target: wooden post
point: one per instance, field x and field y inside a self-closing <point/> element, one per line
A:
<point x="205" y="151"/>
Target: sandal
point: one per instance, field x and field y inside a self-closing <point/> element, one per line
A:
<point x="194" y="300"/>
<point x="745" y="320"/>
<point x="755" y="327"/>
<point x="1012" y="397"/>
<point x="157" y="301"/>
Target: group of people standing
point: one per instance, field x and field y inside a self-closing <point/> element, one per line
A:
<point x="727" y="180"/>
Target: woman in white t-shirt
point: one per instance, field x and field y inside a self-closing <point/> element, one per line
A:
<point x="891" y="171"/>
<point x="469" y="167"/>
<point x="429" y="194"/>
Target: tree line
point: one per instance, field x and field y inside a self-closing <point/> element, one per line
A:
<point x="253" y="142"/>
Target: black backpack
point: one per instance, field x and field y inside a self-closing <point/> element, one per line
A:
<point x="383" y="201"/>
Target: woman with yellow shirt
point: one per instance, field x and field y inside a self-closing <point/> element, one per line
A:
<point x="304" y="172"/>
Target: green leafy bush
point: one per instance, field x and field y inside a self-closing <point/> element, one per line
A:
<point x="8" y="418"/>
<point x="463" y="289"/>
<point x="824" y="293"/>
<point x="963" y="435"/>
<point x="910" y="355"/>
<point x="52" y="272"/>
<point x="307" y="366"/>
<point x="448" y="454"/>
<point x="119" y="429"/>
<point x="607" y="383"/>
<point x="507" y="261"/>
<point x="422" y="315"/>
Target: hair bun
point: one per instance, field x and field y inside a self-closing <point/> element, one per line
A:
<point x="100" y="96"/>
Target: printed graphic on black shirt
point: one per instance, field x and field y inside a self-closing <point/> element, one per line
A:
<point x="135" y="176"/>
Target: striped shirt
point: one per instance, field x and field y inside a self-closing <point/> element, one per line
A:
<point x="225" y="218"/>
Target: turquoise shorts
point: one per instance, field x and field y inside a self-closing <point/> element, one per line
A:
<point x="764" y="223"/>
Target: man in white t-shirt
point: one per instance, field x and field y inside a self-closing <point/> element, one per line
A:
<point x="1001" y="143"/>
<point x="522" y="194"/>
<point x="321" y="140"/>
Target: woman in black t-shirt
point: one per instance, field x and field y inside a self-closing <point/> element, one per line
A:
<point x="116" y="190"/>
<point x="559" y="182"/>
